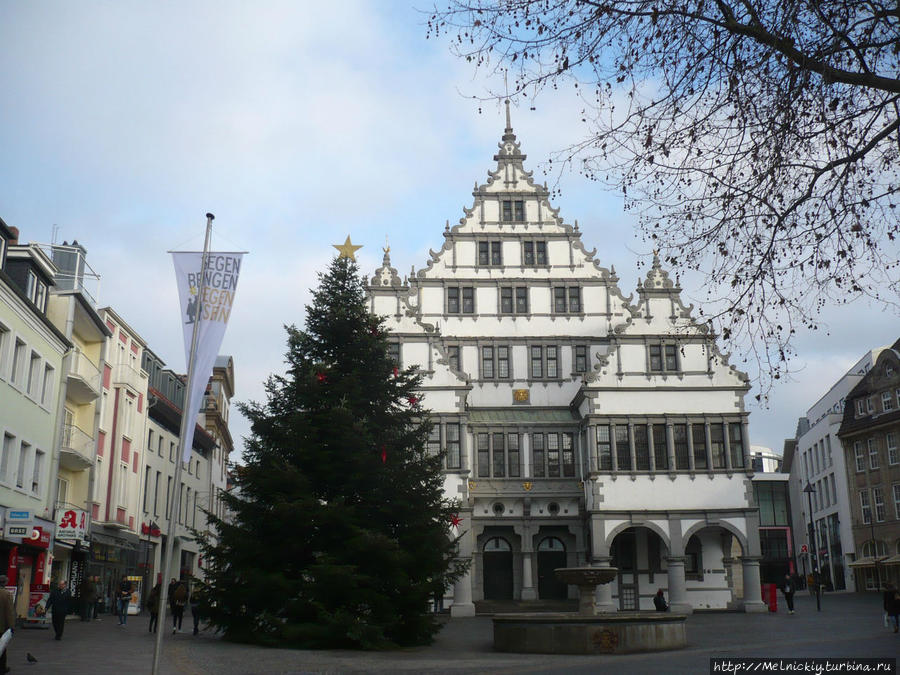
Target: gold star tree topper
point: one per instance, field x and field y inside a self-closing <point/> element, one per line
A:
<point x="347" y="249"/>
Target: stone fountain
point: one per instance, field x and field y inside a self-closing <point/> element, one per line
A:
<point x="587" y="632"/>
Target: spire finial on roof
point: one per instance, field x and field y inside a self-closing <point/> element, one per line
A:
<point x="508" y="122"/>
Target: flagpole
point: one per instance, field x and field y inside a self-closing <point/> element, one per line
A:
<point x="185" y="421"/>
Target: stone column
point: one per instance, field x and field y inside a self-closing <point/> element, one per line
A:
<point x="462" y="597"/>
<point x="752" y="590"/>
<point x="528" y="590"/>
<point x="677" y="590"/>
<point x="614" y="454"/>
<point x="603" y="599"/>
<point x="690" y="442"/>
<point x="670" y="446"/>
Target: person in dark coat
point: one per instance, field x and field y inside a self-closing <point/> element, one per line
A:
<point x="659" y="601"/>
<point x="196" y="612"/>
<point x="88" y="598"/>
<point x="7" y="617"/>
<point x="892" y="604"/>
<point x="788" y="588"/>
<point x="58" y="605"/>
<point x="123" y="599"/>
<point x="153" y="604"/>
<point x="177" y="602"/>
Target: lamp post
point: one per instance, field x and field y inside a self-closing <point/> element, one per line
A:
<point x="874" y="550"/>
<point x="809" y="490"/>
<point x="152" y="526"/>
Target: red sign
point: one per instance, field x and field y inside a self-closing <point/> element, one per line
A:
<point x="151" y="529"/>
<point x="804" y="549"/>
<point x="39" y="538"/>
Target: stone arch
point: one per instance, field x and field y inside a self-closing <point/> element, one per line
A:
<point x="653" y="527"/>
<point x="728" y="527"/>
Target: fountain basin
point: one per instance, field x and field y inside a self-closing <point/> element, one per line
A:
<point x="570" y="633"/>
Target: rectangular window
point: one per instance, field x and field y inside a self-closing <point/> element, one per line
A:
<point x="574" y="299"/>
<point x="521" y="300"/>
<point x="171" y="452"/>
<point x="568" y="454"/>
<point x="873" y="453"/>
<point x="62" y="491"/>
<point x="537" y="363"/>
<point x="468" y="300"/>
<point x="453" y="449"/>
<point x="717" y="445"/>
<point x="4" y="339"/>
<point x="896" y="489"/>
<point x="891" y="442"/>
<point x="736" y="440"/>
<point x="682" y="460"/>
<point x="878" y="498"/>
<point x="484" y="455"/>
<point x="503" y="362"/>
<point x="483" y="253"/>
<point x="860" y="407"/>
<point x="487" y="363"/>
<point x="452" y="301"/>
<point x="123" y="484"/>
<point x="641" y="447"/>
<point x="552" y="362"/>
<point x="540" y="252"/>
<point x="865" y="507"/>
<point x="623" y="447"/>
<point x="537" y="455"/>
<point x="671" y="360"/>
<point x="559" y="299"/>
<point x="156" y="494"/>
<point x="6" y="457"/>
<point x="519" y="210"/>
<point x="656" y="358"/>
<point x="580" y="360"/>
<point x="146" y="487"/>
<point x="552" y="456"/>
<point x="870" y="404"/>
<point x="18" y="363"/>
<point x="34" y="372"/>
<point x="24" y="456"/>
<point x="660" y="447"/>
<point x="506" y="300"/>
<point x="887" y="401"/>
<point x="393" y="352"/>
<point x="168" y="496"/>
<point x="37" y="471"/>
<point x="47" y="386"/>
<point x="507" y="214"/>
<point x="663" y="358"/>
<point x="433" y="445"/>
<point x="528" y="252"/>
<point x="512" y="448"/>
<point x="604" y="453"/>
<point x="496" y="253"/>
<point x="453" y="357"/>
<point x="499" y="455"/>
<point x="859" y="456"/>
<point x="698" y="433"/>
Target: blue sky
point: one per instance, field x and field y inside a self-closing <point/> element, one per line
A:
<point x="123" y="123"/>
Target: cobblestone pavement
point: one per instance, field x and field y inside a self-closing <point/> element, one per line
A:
<point x="848" y="625"/>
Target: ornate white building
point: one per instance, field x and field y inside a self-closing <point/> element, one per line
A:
<point x="581" y="426"/>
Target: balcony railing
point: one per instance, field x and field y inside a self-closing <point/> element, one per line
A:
<point x="84" y="378"/>
<point x="76" y="449"/>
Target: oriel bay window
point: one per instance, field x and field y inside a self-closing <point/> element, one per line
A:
<point x="453" y="356"/>
<point x="449" y="444"/>
<point x="604" y="448"/>
<point x="534" y="252"/>
<point x="498" y="454"/>
<point x="580" y="359"/>
<point x="553" y="454"/>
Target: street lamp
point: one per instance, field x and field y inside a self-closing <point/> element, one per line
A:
<point x="809" y="490"/>
<point x="874" y="550"/>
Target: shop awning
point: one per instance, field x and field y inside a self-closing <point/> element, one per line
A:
<point x="867" y="562"/>
<point x="118" y="542"/>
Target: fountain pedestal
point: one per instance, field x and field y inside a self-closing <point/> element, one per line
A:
<point x="587" y="632"/>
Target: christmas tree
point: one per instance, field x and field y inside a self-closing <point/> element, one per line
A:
<point x="338" y="533"/>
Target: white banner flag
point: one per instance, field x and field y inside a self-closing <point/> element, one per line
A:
<point x="211" y="311"/>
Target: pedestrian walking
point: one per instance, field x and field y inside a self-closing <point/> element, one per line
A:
<point x="177" y="604"/>
<point x="659" y="601"/>
<point x="98" y="594"/>
<point x="788" y="588"/>
<point x="58" y="605"/>
<point x="196" y="612"/>
<point x="153" y="603"/>
<point x="88" y="598"/>
<point x="7" y="617"/>
<point x="892" y="604"/>
<point x="123" y="599"/>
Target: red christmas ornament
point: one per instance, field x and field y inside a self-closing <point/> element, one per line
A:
<point x="373" y="331"/>
<point x="396" y="371"/>
<point x="455" y="520"/>
<point x="412" y="400"/>
<point x="383" y="455"/>
<point x="322" y="378"/>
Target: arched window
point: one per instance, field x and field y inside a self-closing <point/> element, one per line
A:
<point x="496" y="544"/>
<point x="552" y="544"/>
<point x="879" y="549"/>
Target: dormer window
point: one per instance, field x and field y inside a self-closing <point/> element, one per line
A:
<point x="663" y="358"/>
<point x="513" y="211"/>
<point x="860" y="407"/>
<point x="36" y="290"/>
<point x="489" y="253"/>
<point x="534" y="252"/>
